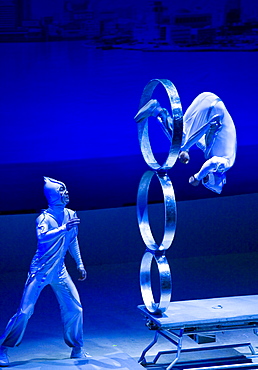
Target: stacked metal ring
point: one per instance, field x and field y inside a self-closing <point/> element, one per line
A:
<point x="156" y="252"/>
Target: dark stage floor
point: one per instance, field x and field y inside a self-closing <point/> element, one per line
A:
<point x="114" y="330"/>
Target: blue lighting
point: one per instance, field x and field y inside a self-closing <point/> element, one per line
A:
<point x="68" y="101"/>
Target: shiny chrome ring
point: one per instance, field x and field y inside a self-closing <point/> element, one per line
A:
<point x="177" y="115"/>
<point x="165" y="282"/>
<point x="170" y="211"/>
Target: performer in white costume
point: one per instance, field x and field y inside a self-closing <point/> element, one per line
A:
<point x="207" y="124"/>
<point x="57" y="229"/>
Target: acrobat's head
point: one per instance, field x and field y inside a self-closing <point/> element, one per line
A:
<point x="55" y="192"/>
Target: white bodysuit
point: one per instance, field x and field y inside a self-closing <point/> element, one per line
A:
<point x="48" y="268"/>
<point x="219" y="147"/>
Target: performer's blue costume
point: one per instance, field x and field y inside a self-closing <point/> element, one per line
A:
<point x="57" y="229"/>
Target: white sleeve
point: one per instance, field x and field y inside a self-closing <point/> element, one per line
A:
<point x="46" y="234"/>
<point x="75" y="252"/>
<point x="213" y="164"/>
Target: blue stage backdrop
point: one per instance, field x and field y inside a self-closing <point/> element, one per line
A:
<point x="67" y="103"/>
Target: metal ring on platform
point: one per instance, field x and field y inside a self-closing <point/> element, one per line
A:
<point x="165" y="282"/>
<point x="170" y="211"/>
<point x="177" y="116"/>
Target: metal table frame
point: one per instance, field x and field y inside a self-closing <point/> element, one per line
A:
<point x="174" y="331"/>
<point x="173" y="320"/>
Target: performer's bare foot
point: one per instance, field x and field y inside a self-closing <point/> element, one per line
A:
<point x="193" y="181"/>
<point x="184" y="157"/>
<point x="151" y="108"/>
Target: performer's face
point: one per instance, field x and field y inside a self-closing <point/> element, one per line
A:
<point x="64" y="195"/>
<point x="55" y="192"/>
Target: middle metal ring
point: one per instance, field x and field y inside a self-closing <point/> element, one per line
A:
<point x="170" y="210"/>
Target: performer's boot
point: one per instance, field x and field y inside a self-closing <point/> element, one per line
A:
<point x="4" y="361"/>
<point x="78" y="352"/>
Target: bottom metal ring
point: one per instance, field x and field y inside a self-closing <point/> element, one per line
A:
<point x="165" y="282"/>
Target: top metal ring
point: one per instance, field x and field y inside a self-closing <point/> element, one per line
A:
<point x="177" y="116"/>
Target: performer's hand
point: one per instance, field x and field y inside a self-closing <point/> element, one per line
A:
<point x="184" y="157"/>
<point x="82" y="273"/>
<point x="193" y="181"/>
<point x="72" y="223"/>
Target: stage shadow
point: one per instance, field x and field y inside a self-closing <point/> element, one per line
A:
<point x="118" y="361"/>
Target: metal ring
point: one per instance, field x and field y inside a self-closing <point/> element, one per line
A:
<point x="177" y="115"/>
<point x="170" y="211"/>
<point x="165" y="282"/>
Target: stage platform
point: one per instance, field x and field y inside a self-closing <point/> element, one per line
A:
<point x="201" y="320"/>
<point x="48" y="352"/>
<point x="113" y="324"/>
<point x="114" y="360"/>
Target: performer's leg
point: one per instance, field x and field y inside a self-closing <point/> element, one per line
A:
<point x="209" y="128"/>
<point x="71" y="310"/>
<point x="16" y="326"/>
<point x="215" y="127"/>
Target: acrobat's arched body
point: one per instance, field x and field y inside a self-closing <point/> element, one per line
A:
<point x="207" y="124"/>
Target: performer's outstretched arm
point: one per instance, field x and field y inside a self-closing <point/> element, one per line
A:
<point x="45" y="235"/>
<point x="213" y="164"/>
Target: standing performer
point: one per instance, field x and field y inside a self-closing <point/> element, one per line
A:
<point x="57" y="229"/>
<point x="207" y="124"/>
